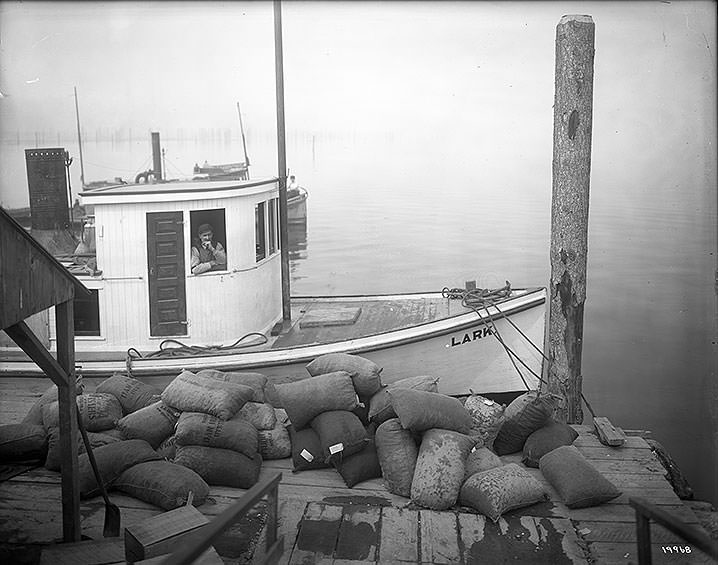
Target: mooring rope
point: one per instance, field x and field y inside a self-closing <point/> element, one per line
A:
<point x="481" y="298"/>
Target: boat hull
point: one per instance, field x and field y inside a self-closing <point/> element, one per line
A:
<point x="297" y="208"/>
<point x="463" y="350"/>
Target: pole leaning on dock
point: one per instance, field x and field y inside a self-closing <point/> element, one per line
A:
<point x="572" y="129"/>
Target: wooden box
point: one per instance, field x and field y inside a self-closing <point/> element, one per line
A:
<point x="159" y="535"/>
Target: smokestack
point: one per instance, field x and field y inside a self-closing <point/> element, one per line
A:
<point x="47" y="184"/>
<point x="156" y="155"/>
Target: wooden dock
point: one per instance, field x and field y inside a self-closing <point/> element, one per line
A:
<point x="322" y="521"/>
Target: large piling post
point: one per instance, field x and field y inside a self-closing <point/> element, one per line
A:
<point x="572" y="129"/>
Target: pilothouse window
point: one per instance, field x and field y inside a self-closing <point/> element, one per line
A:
<point x="209" y="241"/>
<point x="272" y="225"/>
<point x="87" y="314"/>
<point x="260" y="238"/>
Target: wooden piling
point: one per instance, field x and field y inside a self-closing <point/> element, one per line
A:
<point x="573" y="117"/>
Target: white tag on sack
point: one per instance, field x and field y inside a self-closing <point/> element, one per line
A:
<point x="336" y="448"/>
<point x="308" y="456"/>
<point x="488" y="402"/>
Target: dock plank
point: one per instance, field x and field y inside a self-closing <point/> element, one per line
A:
<point x="439" y="537"/>
<point x="399" y="535"/>
<point x="291" y="512"/>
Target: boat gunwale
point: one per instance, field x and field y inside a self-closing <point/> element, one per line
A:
<point x="305" y="353"/>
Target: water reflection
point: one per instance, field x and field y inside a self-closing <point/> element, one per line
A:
<point x="298" y="250"/>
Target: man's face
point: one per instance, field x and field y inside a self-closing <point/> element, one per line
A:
<point x="205" y="238"/>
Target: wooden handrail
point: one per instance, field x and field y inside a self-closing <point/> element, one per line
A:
<point x="645" y="512"/>
<point x="196" y="544"/>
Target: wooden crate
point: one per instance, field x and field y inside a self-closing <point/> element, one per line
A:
<point x="209" y="557"/>
<point x="159" y="534"/>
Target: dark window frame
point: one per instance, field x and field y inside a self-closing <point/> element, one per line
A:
<point x="86" y="314"/>
<point x="260" y="235"/>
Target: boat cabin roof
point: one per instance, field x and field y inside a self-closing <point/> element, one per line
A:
<point x="178" y="190"/>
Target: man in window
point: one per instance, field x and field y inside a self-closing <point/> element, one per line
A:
<point x="207" y="255"/>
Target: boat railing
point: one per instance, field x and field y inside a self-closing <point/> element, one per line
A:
<point x="195" y="545"/>
<point x="645" y="512"/>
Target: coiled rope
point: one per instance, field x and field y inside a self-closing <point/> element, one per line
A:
<point x="175" y="348"/>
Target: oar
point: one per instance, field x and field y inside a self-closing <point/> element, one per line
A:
<point x="112" y="512"/>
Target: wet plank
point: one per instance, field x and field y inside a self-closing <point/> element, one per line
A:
<point x="439" y="537"/>
<point x="318" y="534"/>
<point x="399" y="541"/>
<point x="358" y="534"/>
<point x="519" y="539"/>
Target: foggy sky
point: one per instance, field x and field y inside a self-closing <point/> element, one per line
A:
<point x="479" y="73"/>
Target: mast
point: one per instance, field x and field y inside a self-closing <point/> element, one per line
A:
<point x="244" y="141"/>
<point x="282" y="160"/>
<point x="79" y="141"/>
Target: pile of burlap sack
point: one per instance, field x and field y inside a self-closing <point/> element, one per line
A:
<point x="216" y="428"/>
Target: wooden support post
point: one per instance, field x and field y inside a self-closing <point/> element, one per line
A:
<point x="572" y="128"/>
<point x="282" y="162"/>
<point x="67" y="398"/>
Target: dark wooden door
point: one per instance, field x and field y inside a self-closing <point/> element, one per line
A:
<point x="165" y="267"/>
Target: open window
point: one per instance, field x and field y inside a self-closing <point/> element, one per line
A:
<point x="259" y="231"/>
<point x="87" y="314"/>
<point x="273" y="224"/>
<point x="266" y="228"/>
<point x="209" y="248"/>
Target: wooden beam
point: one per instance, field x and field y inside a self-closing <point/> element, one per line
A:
<point x="572" y="129"/>
<point x="67" y="399"/>
<point x="21" y="334"/>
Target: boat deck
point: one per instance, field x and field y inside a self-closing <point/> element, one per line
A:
<point x="318" y="320"/>
<point x="324" y="521"/>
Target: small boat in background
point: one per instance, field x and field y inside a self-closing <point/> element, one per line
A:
<point x="296" y="202"/>
<point x="230" y="171"/>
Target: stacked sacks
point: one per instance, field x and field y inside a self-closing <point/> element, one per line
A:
<point x="398" y="453"/>
<point x="443" y="423"/>
<point x="209" y="440"/>
<point x="487" y="416"/>
<point x="129" y="462"/>
<point x="380" y="408"/>
<point x="99" y="413"/>
<point x="522" y="417"/>
<point x="22" y="442"/>
<point x="133" y="467"/>
<point x="490" y="486"/>
<point x="323" y="412"/>
<point x="132" y="394"/>
<point x="145" y="416"/>
<point x="275" y="442"/>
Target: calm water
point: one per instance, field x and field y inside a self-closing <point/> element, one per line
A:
<point x="392" y="213"/>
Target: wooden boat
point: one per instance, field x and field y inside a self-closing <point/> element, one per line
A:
<point x="230" y="171"/>
<point x="297" y="205"/>
<point x="145" y="297"/>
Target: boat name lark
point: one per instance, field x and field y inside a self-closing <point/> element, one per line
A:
<point x="469" y="337"/>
